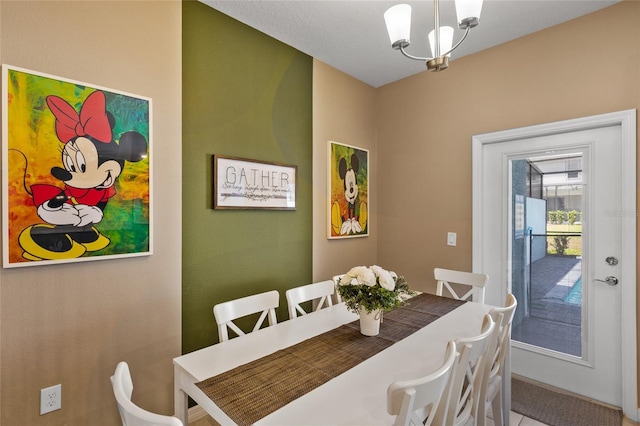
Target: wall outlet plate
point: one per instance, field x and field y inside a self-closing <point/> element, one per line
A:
<point x="50" y="399"/>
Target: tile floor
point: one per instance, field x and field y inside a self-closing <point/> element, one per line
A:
<point x="516" y="419"/>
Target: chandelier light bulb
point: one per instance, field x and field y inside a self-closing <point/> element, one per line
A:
<point x="468" y="12"/>
<point x="446" y="41"/>
<point x="398" y="20"/>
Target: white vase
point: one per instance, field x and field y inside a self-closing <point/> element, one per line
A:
<point x="370" y="322"/>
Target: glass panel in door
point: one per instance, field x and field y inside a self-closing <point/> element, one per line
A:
<point x="547" y="251"/>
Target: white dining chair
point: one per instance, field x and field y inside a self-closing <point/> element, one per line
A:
<point x="411" y="400"/>
<point x="335" y="279"/>
<point x="465" y="385"/>
<point x="477" y="282"/>
<point x="492" y="392"/>
<point x="130" y="413"/>
<point x="226" y="312"/>
<point x="321" y="293"/>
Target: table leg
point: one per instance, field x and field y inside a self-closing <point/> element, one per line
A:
<point x="180" y="400"/>
<point x="506" y="385"/>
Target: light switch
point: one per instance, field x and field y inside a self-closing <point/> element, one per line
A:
<point x="451" y="238"/>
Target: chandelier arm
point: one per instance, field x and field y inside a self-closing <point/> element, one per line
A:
<point x="466" y="33"/>
<point x="415" y="58"/>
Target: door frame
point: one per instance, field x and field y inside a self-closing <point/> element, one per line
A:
<point x="627" y="122"/>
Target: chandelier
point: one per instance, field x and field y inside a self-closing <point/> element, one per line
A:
<point x="398" y="19"/>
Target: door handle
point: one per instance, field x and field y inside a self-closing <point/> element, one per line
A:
<point x="610" y="280"/>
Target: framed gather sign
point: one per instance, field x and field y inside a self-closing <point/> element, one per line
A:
<point x="240" y="183"/>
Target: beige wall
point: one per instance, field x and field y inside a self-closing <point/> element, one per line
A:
<point x="72" y="323"/>
<point x="343" y="111"/>
<point x="587" y="66"/>
<point x="421" y="128"/>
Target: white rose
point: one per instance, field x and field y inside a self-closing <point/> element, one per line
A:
<point x="351" y="277"/>
<point x="387" y="281"/>
<point x="366" y="276"/>
<point x="385" y="278"/>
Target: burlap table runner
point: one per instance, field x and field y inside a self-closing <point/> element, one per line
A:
<point x="252" y="391"/>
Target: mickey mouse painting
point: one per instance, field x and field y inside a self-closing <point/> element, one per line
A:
<point x="349" y="191"/>
<point x="71" y="200"/>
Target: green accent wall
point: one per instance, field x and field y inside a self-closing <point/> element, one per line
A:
<point x="246" y="95"/>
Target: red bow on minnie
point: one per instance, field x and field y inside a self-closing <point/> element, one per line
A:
<point x="92" y="120"/>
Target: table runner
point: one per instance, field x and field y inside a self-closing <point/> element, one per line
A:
<point x="252" y="391"/>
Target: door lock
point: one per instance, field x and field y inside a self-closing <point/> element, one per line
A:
<point x="611" y="260"/>
<point x="610" y="280"/>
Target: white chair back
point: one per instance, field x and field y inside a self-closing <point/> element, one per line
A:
<point x="492" y="395"/>
<point x="477" y="282"/>
<point x="466" y="383"/>
<point x="226" y="312"/>
<point x="410" y="400"/>
<point x="320" y="291"/>
<point x="130" y="413"/>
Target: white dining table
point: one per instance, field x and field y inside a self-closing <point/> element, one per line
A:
<point x="355" y="397"/>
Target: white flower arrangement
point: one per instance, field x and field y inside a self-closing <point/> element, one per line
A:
<point x="373" y="288"/>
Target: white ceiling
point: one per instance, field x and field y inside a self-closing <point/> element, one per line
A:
<point x="351" y="35"/>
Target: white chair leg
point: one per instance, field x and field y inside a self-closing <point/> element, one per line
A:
<point x="481" y="414"/>
<point x="496" y="407"/>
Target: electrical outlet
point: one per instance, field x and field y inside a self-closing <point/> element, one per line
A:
<point x="50" y="399"/>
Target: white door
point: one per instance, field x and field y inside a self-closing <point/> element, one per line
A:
<point x="606" y="368"/>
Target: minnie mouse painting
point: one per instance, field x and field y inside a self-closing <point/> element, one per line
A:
<point x="92" y="162"/>
<point x="349" y="191"/>
<point x="71" y="201"/>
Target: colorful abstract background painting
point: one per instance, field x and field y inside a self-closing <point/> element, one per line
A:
<point x="34" y="112"/>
